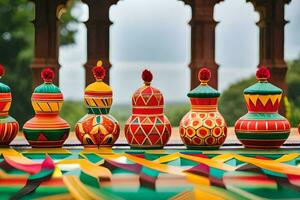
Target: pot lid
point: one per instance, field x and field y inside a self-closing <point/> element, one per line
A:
<point x="204" y="90"/>
<point x="263" y="86"/>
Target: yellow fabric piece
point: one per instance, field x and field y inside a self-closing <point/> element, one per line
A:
<point x="168" y="169"/>
<point x="167" y="158"/>
<point x="223" y="157"/>
<point x="210" y="193"/>
<point x="47" y="150"/>
<point x="57" y="173"/>
<point x="57" y="197"/>
<point x="8" y="152"/>
<point x="19" y="159"/>
<point x="89" y="168"/>
<point x="101" y="151"/>
<point x="270" y="165"/>
<point x="244" y="193"/>
<point x="207" y="161"/>
<point x="188" y="195"/>
<point x="288" y="157"/>
<point x="78" y="190"/>
<point x="204" y="192"/>
<point x="156" y="166"/>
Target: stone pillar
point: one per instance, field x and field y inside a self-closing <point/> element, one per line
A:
<point x="46" y="48"/>
<point x="271" y="40"/>
<point x="203" y="39"/>
<point x="98" y="36"/>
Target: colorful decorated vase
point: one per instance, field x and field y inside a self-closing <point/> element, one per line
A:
<point x="46" y="128"/>
<point x="9" y="127"/>
<point x="147" y="127"/>
<point x="262" y="127"/>
<point x="98" y="127"/>
<point x="203" y="127"/>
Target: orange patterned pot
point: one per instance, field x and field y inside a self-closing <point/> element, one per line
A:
<point x="203" y="127"/>
<point x="9" y="127"/>
<point x="46" y="128"/>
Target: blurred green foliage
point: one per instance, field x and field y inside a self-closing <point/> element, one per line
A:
<point x="67" y="28"/>
<point x="232" y="104"/>
<point x="16" y="44"/>
<point x="293" y="83"/>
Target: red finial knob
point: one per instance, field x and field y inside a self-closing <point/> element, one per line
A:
<point x="47" y="75"/>
<point x="2" y="70"/>
<point x="147" y="76"/>
<point x="263" y="73"/>
<point x="99" y="71"/>
<point x="204" y="75"/>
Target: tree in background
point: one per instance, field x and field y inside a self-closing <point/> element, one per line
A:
<point x="293" y="83"/>
<point x="16" y="44"/>
<point x="232" y="104"/>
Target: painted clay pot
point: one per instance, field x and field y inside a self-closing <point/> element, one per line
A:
<point x="46" y="129"/>
<point x="262" y="127"/>
<point x="9" y="127"/>
<point x="203" y="127"/>
<point x="98" y="127"/>
<point x="147" y="127"/>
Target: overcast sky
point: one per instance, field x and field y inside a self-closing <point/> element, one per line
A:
<point x="155" y="34"/>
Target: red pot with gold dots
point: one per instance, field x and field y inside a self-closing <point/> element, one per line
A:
<point x="203" y="127"/>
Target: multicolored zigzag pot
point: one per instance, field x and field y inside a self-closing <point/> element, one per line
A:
<point x="9" y="127"/>
<point x="147" y="127"/>
<point x="262" y="127"/>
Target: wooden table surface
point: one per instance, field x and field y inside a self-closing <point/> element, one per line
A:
<point x="231" y="140"/>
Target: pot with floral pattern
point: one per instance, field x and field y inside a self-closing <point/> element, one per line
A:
<point x="98" y="127"/>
